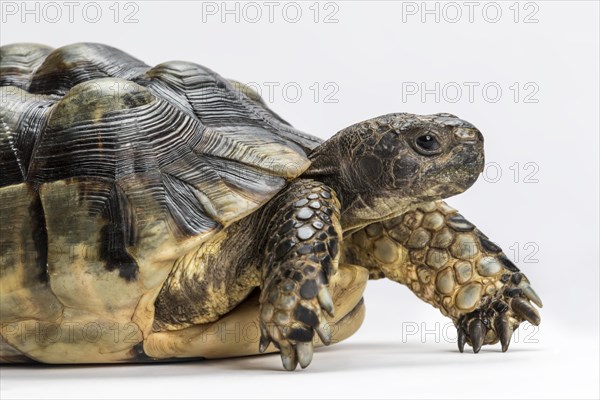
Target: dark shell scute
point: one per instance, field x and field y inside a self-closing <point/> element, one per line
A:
<point x="509" y="265"/>
<point x="459" y="223"/>
<point x="489" y="246"/>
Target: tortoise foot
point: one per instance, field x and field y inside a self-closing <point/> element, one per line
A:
<point x="497" y="319"/>
<point x="291" y="315"/>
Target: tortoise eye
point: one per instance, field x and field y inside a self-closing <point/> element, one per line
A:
<point x="427" y="144"/>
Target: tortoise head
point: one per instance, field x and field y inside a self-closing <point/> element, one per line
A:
<point x="381" y="166"/>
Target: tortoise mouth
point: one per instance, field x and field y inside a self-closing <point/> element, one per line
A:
<point x="443" y="190"/>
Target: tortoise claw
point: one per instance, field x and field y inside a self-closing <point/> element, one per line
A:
<point x="325" y="301"/>
<point x="522" y="308"/>
<point x="462" y="339"/>
<point x="530" y="293"/>
<point x="288" y="358"/>
<point x="324" y="333"/>
<point x="305" y="353"/>
<point x="477" y="333"/>
<point x="264" y="343"/>
<point x="503" y="330"/>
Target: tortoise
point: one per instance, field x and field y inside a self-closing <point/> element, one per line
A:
<point x="166" y="213"/>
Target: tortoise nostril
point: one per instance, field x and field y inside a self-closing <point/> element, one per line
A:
<point x="466" y="134"/>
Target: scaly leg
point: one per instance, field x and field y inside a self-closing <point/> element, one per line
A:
<point x="301" y="255"/>
<point x="449" y="263"/>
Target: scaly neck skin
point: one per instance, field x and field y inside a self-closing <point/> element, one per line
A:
<point x="357" y="209"/>
<point x="361" y="209"/>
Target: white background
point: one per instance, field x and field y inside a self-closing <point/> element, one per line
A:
<point x="371" y="56"/>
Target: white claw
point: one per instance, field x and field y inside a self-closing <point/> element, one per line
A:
<point x="326" y="301"/>
<point x="264" y="343"/>
<point x="305" y="353"/>
<point x="324" y="332"/>
<point x="530" y="293"/>
<point x="288" y="357"/>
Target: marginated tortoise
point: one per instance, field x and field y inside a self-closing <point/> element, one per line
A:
<point x="160" y="213"/>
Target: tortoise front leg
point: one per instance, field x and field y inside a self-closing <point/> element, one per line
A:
<point x="302" y="252"/>
<point x="450" y="264"/>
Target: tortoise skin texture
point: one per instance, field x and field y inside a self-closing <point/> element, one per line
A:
<point x="161" y="213"/>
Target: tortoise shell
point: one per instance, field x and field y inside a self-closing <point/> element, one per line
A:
<point x="112" y="169"/>
<point x="176" y="142"/>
